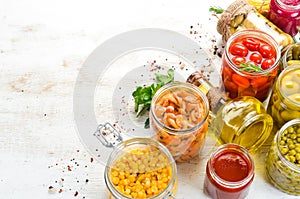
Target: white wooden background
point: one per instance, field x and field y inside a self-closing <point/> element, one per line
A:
<point x="43" y="44"/>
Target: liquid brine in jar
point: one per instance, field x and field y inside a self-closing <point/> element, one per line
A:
<point x="284" y="104"/>
<point x="283" y="159"/>
<point x="179" y="117"/>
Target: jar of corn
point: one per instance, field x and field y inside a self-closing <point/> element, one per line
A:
<point x="141" y="168"/>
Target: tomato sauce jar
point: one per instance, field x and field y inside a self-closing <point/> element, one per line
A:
<point x="229" y="172"/>
<point x="286" y="15"/>
<point x="179" y="117"/>
<point x="250" y="64"/>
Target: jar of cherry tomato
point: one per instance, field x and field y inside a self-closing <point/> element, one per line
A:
<point x="286" y="15"/>
<point x="229" y="172"/>
<point x="250" y="64"/>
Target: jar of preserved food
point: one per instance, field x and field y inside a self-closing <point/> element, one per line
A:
<point x="291" y="56"/>
<point x="229" y="172"/>
<point x="250" y="64"/>
<point x="240" y="15"/>
<point x="285" y="14"/>
<point x="179" y="118"/>
<point x="141" y="168"/>
<point x="284" y="104"/>
<point x="242" y="120"/>
<point x="283" y="159"/>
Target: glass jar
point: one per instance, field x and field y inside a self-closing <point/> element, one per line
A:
<point x="284" y="104"/>
<point x="179" y="118"/>
<point x="283" y="159"/>
<point x="286" y="15"/>
<point x="291" y="56"/>
<point x="243" y="121"/>
<point x="229" y="172"/>
<point x="241" y="15"/>
<point x="141" y="168"/>
<point x="250" y="64"/>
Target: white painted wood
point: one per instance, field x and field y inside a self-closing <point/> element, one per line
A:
<point x="43" y="44"/>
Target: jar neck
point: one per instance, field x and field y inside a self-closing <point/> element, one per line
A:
<point x="295" y="6"/>
<point x="228" y="185"/>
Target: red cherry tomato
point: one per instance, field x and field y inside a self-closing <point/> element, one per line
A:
<point x="238" y="49"/>
<point x="267" y="51"/>
<point x="256" y="58"/>
<point x="240" y="81"/>
<point x="238" y="60"/>
<point x="267" y="63"/>
<point x="259" y="82"/>
<point x="251" y="43"/>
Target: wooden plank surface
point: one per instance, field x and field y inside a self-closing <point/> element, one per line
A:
<point x="43" y="45"/>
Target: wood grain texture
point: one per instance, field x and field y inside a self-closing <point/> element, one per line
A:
<point x="43" y="45"/>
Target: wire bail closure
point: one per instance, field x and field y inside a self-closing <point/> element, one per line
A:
<point x="108" y="135"/>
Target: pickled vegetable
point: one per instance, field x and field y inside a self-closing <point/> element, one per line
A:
<point x="179" y="118"/>
<point x="285" y="101"/>
<point x="250" y="64"/>
<point x="283" y="159"/>
<point x="240" y="15"/>
<point x="291" y="56"/>
<point x="141" y="173"/>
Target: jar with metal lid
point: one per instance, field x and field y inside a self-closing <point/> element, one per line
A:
<point x="141" y="168"/>
<point x="179" y="117"/>
<point x="229" y="172"/>
<point x="250" y="64"/>
<point x="285" y="14"/>
<point x="283" y="159"/>
<point x="284" y="104"/>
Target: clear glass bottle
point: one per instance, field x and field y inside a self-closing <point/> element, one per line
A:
<point x="286" y="15"/>
<point x="229" y="172"/>
<point x="291" y="56"/>
<point x="242" y="73"/>
<point x="283" y="159"/>
<point x="179" y="117"/>
<point x="242" y="120"/>
<point x="141" y="168"/>
<point x="284" y="104"/>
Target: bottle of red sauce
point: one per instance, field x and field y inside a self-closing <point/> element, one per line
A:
<point x="285" y="14"/>
<point x="229" y="172"/>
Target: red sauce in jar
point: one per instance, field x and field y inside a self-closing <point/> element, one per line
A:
<point x="229" y="172"/>
<point x="231" y="166"/>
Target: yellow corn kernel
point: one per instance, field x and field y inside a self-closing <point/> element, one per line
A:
<point x="115" y="180"/>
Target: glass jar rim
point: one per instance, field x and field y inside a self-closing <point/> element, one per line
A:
<point x="277" y="141"/>
<point x="281" y="4"/>
<point x="189" y="86"/>
<point x="241" y="151"/>
<point x="139" y="141"/>
<point x="280" y="77"/>
<point x="261" y="35"/>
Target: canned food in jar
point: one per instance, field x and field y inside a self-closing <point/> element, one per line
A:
<point x="291" y="56"/>
<point x="229" y="172"/>
<point x="243" y="121"/>
<point x="179" y="119"/>
<point x="141" y="168"/>
<point x="283" y="159"/>
<point x="286" y="15"/>
<point x="250" y="64"/>
<point x="284" y="103"/>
